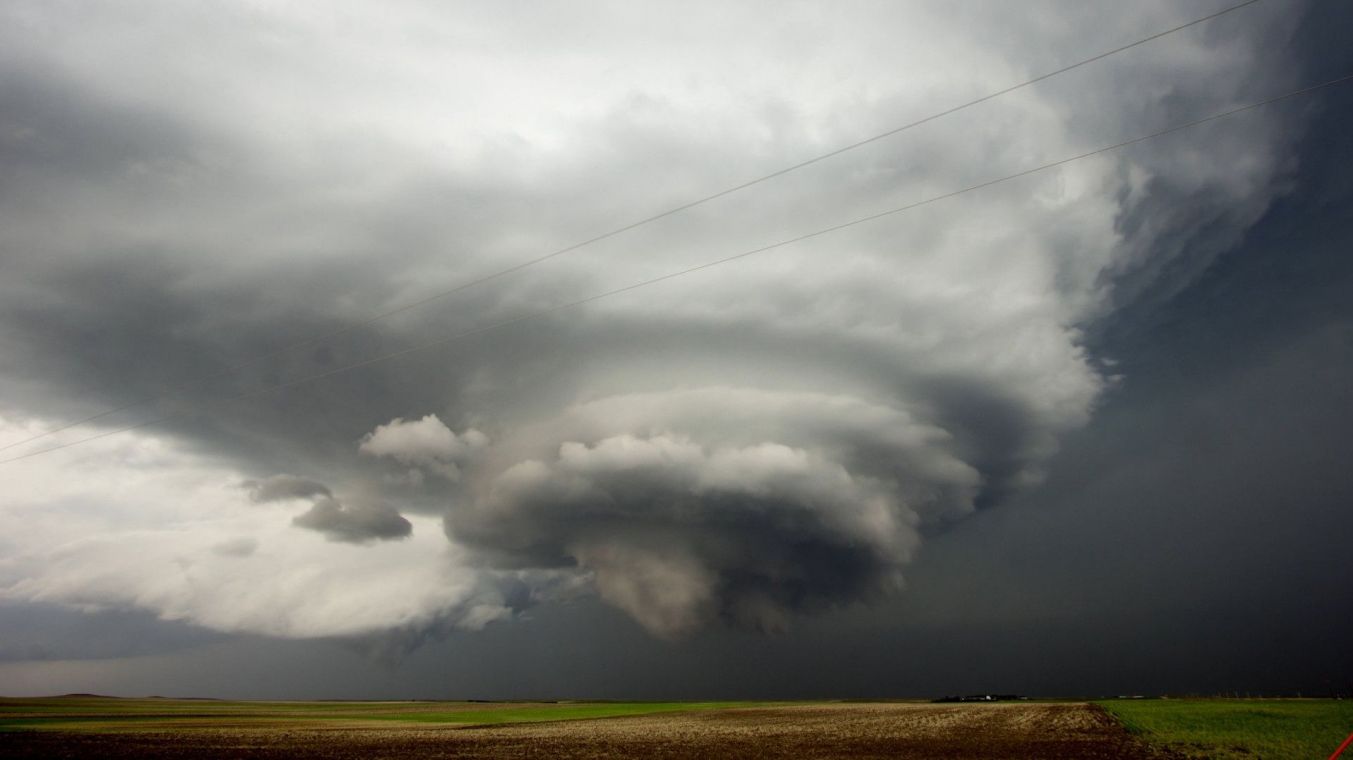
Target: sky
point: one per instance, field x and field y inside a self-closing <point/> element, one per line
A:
<point x="278" y="422"/>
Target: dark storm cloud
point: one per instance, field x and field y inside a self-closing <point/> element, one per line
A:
<point x="734" y="505"/>
<point x="679" y="537"/>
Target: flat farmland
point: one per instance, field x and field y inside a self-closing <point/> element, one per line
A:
<point x="154" y="728"/>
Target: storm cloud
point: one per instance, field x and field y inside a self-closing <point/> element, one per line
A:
<point x="364" y="520"/>
<point x="360" y="522"/>
<point x="743" y="445"/>
<point x="282" y="487"/>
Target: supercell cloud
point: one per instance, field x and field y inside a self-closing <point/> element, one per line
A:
<point x="188" y="190"/>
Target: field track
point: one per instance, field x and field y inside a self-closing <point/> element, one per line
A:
<point x="893" y="730"/>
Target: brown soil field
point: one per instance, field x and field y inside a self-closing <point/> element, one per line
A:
<point x="1013" y="730"/>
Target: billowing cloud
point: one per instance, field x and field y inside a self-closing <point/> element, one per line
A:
<point x="740" y="445"/>
<point x="679" y="536"/>
<point x="730" y="504"/>
<point x="427" y="443"/>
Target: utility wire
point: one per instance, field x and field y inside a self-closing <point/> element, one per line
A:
<point x="632" y="225"/>
<point x="699" y="267"/>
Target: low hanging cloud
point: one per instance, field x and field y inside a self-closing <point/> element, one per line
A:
<point x="680" y="536"/>
<point x="764" y="505"/>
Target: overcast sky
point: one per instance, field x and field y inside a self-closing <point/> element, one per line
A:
<point x="1085" y="431"/>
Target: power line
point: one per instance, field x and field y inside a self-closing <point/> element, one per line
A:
<point x="632" y="225"/>
<point x="699" y="267"/>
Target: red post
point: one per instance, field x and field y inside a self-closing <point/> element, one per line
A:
<point x="1342" y="747"/>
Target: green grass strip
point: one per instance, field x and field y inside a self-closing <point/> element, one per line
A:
<point x="1272" y="729"/>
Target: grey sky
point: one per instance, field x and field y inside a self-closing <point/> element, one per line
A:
<point x="1093" y="418"/>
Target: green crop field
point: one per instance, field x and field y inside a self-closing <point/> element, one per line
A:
<point x="1272" y="729"/>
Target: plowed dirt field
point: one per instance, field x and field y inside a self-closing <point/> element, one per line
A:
<point x="892" y="730"/>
